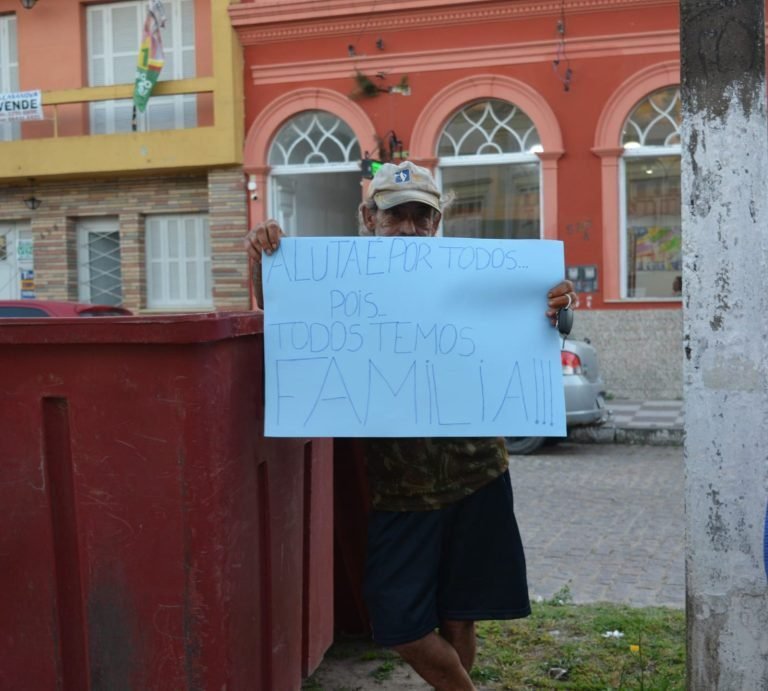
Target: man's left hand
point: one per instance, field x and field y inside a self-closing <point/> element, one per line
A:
<point x="562" y="295"/>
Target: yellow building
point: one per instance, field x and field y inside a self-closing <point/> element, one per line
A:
<point x="96" y="210"/>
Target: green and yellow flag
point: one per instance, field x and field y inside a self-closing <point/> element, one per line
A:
<point x="151" y="58"/>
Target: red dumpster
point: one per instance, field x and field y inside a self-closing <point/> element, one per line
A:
<point x="152" y="538"/>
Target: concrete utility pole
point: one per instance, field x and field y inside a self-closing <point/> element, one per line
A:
<point x="725" y="256"/>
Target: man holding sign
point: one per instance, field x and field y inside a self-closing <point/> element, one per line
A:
<point x="444" y="549"/>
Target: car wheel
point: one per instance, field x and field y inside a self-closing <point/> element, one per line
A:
<point x="523" y="445"/>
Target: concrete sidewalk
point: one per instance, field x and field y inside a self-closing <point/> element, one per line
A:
<point x="636" y="422"/>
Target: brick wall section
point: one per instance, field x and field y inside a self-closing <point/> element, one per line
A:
<point x="220" y="193"/>
<point x="132" y="259"/>
<point x="53" y="248"/>
<point x="227" y="201"/>
<point x="70" y="250"/>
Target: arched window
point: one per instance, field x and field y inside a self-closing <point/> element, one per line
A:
<point x="314" y="179"/>
<point x="487" y="158"/>
<point x="650" y="205"/>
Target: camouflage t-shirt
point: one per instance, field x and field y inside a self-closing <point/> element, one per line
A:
<point x="416" y="474"/>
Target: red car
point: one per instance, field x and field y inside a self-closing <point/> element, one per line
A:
<point x="12" y="309"/>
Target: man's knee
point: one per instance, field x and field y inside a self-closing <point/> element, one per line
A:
<point x="453" y="628"/>
<point x="437" y="661"/>
<point x="461" y="635"/>
<point x="413" y="648"/>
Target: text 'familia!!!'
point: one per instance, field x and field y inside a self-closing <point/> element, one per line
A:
<point x="412" y="396"/>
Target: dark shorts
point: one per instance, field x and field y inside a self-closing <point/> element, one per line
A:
<point x="463" y="562"/>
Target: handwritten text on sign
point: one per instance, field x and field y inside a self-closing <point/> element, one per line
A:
<point x="381" y="337"/>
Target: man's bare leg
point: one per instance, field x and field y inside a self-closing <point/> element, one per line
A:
<point x="437" y="662"/>
<point x="461" y="635"/>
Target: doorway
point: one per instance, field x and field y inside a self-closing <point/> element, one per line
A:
<point x="17" y="269"/>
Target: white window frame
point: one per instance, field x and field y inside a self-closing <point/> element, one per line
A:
<point x="275" y="209"/>
<point x="320" y="158"/>
<point x="490" y="160"/>
<point x="159" y="297"/>
<point x="635" y="152"/>
<point x="172" y="45"/>
<point x="497" y="159"/>
<point x="9" y="71"/>
<point x="85" y="228"/>
<point x="321" y="165"/>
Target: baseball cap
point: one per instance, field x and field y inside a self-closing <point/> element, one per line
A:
<point x="401" y="183"/>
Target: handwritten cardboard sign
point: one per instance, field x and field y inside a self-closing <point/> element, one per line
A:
<point x="411" y="336"/>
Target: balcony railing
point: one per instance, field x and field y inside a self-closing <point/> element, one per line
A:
<point x="61" y="118"/>
<point x="62" y="143"/>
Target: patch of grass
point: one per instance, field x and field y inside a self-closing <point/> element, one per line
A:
<point x="561" y="597"/>
<point x="483" y="674"/>
<point x="561" y="645"/>
<point x="384" y="671"/>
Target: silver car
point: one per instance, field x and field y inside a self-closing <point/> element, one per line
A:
<point x="584" y="394"/>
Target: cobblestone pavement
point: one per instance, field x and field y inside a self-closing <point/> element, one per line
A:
<point x="604" y="519"/>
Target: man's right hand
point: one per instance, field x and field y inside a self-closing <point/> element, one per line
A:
<point x="265" y="237"/>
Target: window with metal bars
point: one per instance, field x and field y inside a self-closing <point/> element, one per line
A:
<point x="98" y="260"/>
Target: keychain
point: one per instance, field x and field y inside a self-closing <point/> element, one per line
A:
<point x="565" y="320"/>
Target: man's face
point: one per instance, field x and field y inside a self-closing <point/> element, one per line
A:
<point x="411" y="218"/>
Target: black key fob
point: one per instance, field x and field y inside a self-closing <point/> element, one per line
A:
<point x="564" y="320"/>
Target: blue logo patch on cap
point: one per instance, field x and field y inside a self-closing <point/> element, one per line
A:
<point x="403" y="176"/>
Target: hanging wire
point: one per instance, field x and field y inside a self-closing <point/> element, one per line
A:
<point x="561" y="65"/>
<point x="352" y="47"/>
<point x="366" y="87"/>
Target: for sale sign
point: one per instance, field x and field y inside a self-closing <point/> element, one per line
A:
<point x="21" y="105"/>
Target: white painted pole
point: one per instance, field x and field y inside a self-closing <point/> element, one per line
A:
<point x="725" y="257"/>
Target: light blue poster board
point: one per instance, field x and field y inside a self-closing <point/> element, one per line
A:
<point x="404" y="337"/>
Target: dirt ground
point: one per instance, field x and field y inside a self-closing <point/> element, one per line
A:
<point x="348" y="675"/>
<point x="357" y="664"/>
<point x="360" y="665"/>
